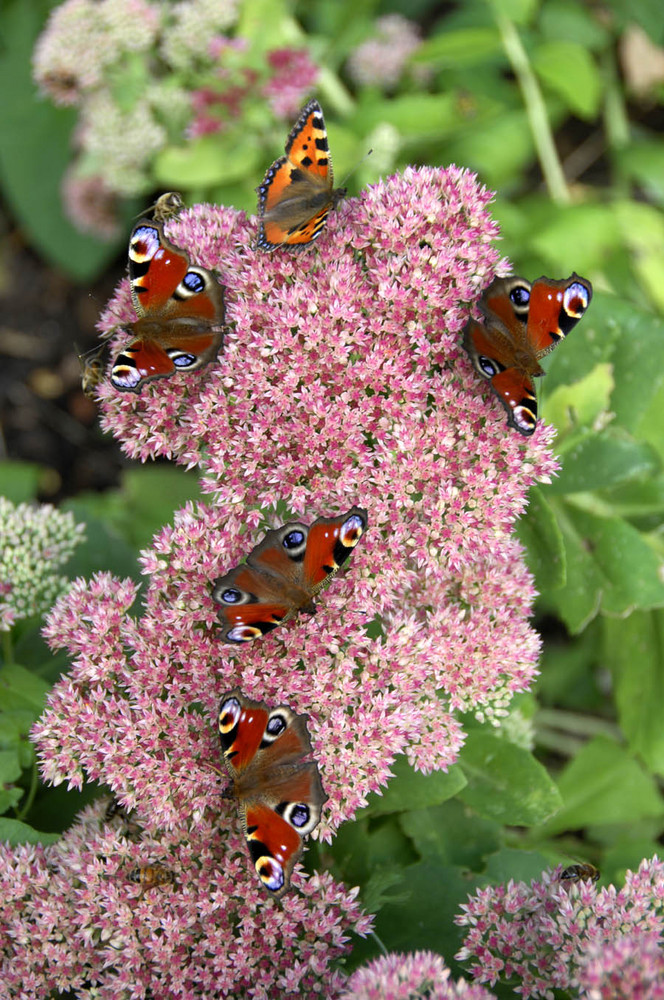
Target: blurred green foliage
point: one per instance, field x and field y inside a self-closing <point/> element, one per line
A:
<point x="550" y="103"/>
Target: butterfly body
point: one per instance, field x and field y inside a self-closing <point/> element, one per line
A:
<point x="521" y="324"/>
<point x="298" y="193"/>
<point x="180" y="310"/>
<point x="283" y="574"/>
<point x="280" y="793"/>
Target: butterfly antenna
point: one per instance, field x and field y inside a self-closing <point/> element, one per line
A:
<point x="356" y="167"/>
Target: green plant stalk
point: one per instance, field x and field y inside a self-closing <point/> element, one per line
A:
<point x="32" y="791"/>
<point x="547" y="154"/>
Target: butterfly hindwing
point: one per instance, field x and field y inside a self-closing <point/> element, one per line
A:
<point x="280" y="794"/>
<point x="298" y="191"/>
<point x="180" y="310"/>
<point x="283" y="573"/>
<point x="521" y="323"/>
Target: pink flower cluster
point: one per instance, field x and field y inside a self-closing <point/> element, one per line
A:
<point x="406" y="977"/>
<point x="381" y="60"/>
<point x="341" y="382"/>
<point x="604" y="943"/>
<point x="73" y="918"/>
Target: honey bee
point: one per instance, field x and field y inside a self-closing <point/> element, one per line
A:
<point x="579" y="873"/>
<point x="115" y="810"/>
<point x="92" y="369"/>
<point x="150" y="876"/>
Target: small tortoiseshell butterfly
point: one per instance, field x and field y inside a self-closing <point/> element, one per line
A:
<point x="298" y="191"/>
<point x="522" y="323"/>
<point x="279" y="792"/>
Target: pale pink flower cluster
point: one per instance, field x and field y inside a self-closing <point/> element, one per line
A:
<point x="407" y="977"/>
<point x="381" y="60"/>
<point x="604" y="943"/>
<point x="293" y="77"/>
<point x="72" y="917"/>
<point x="90" y="204"/>
<point x="341" y="382"/>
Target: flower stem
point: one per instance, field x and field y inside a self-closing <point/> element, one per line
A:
<point x="536" y="111"/>
<point x="32" y="791"/>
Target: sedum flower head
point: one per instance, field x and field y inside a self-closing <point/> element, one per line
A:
<point x="36" y="542"/>
<point x="73" y="916"/>
<point x="422" y="974"/>
<point x="380" y="61"/>
<point x="553" y="935"/>
<point x="343" y="382"/>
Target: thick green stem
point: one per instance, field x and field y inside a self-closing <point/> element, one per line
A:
<point x="536" y="111"/>
<point x="32" y="791"/>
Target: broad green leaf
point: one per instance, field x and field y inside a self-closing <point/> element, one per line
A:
<point x="522" y="866"/>
<point x="538" y="531"/>
<point x="452" y="833"/>
<point x="417" y="117"/>
<point x="505" y="782"/>
<point x="30" y="126"/>
<point x="572" y="73"/>
<point x="208" y="160"/>
<point x="632" y="573"/>
<point x="9" y="797"/>
<point x="580" y="403"/>
<point x="592" y="230"/>
<point x="602" y="460"/>
<point x="604" y="784"/>
<point x="410" y="789"/>
<point x="570" y="21"/>
<point x="363" y="847"/>
<point x="19" y="689"/>
<point x="497" y="149"/>
<point x="461" y="47"/>
<point x="426" y="919"/>
<point x="634" y="652"/>
<point x="644" y="162"/>
<point x="13" y="832"/>
<point x="10" y="767"/>
<point x="597" y="339"/>
<point x="20" y="480"/>
<point x="579" y="600"/>
<point x="518" y="11"/>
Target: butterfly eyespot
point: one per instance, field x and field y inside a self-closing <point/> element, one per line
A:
<point x="276" y="725"/>
<point x="182" y="360"/>
<point x="293" y="539"/>
<point x="270" y="873"/>
<point x="230" y="596"/>
<point x="229" y="713"/>
<point x="520" y="296"/>
<point x="488" y="367"/>
<point x="524" y="419"/>
<point x="243" y="633"/>
<point x="351" y="531"/>
<point x="193" y="282"/>
<point x="299" y="815"/>
<point x="576" y="300"/>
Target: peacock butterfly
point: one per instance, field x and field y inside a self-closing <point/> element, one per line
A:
<point x="283" y="573"/>
<point x="180" y="310"/>
<point x="280" y="794"/>
<point x="298" y="191"/>
<point x="522" y="323"/>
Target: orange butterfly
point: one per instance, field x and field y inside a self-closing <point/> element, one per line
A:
<point x="297" y="192"/>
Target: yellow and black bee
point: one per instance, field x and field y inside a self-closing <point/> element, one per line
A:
<point x="579" y="873"/>
<point x="150" y="876"/>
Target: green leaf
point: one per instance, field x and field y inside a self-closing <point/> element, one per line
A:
<point x="29" y="126"/>
<point x="465" y="46"/>
<point x="9" y="797"/>
<point x="522" y="866"/>
<point x="643" y="161"/>
<point x="604" y="784"/>
<point x="518" y="11"/>
<point x="426" y="919"/>
<point x="538" y="531"/>
<point x="571" y="72"/>
<point x="410" y="789"/>
<point x="10" y="767"/>
<point x="453" y="834"/>
<point x="498" y="149"/>
<point x="20" y="480"/>
<point x="582" y="402"/>
<point x="579" y="600"/>
<point x="19" y="689"/>
<point x="634" y="652"/>
<point x="598" y="461"/>
<point x="592" y="230"/>
<point x="13" y="832"/>
<point x="505" y="782"/>
<point x="208" y="160"/>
